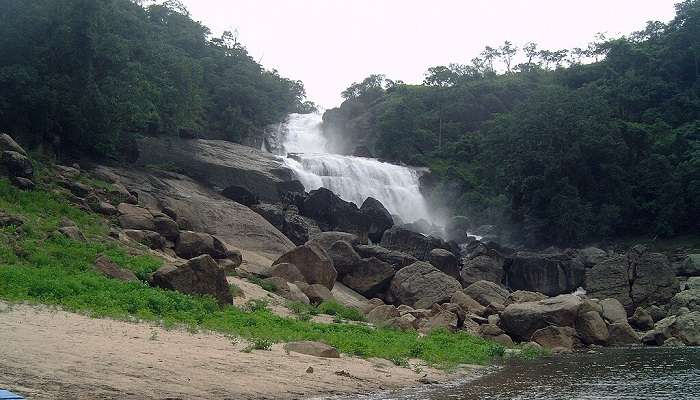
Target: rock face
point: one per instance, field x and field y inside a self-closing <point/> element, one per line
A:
<point x="638" y="278"/>
<point x="521" y="320"/>
<point x="335" y="214"/>
<point x="379" y="218"/>
<point x="445" y="261"/>
<point x="315" y="349"/>
<point x="313" y="262"/>
<point x="482" y="268"/>
<point x="415" y="244"/>
<point x="199" y="275"/>
<point x="240" y="195"/>
<point x="420" y="285"/>
<point x="487" y="293"/>
<point x="551" y="274"/>
<point x="218" y="163"/>
<point x="369" y="277"/>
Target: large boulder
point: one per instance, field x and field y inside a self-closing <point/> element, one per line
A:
<point x="413" y="243"/>
<point x="482" y="268"/>
<point x="288" y="272"/>
<point x="638" y="278"/>
<point x="557" y="338"/>
<point x="487" y="293"/>
<point x="345" y="258"/>
<point x="397" y="259"/>
<point x="613" y="310"/>
<point x="687" y="328"/>
<point x="153" y="240"/>
<point x="218" y="163"/>
<point x="592" y="328"/>
<point x="135" y="217"/>
<point x="369" y="277"/>
<point x="379" y="218"/>
<point x="316" y="293"/>
<point x="445" y="261"/>
<point x="297" y="228"/>
<point x="523" y="296"/>
<point x="641" y="319"/>
<point x="326" y="239"/>
<point x="622" y="334"/>
<point x="313" y="262"/>
<point x="551" y="274"/>
<point x="8" y="144"/>
<point x="523" y="319"/>
<point x="383" y="315"/>
<point x="335" y="214"/>
<point x="467" y="303"/>
<point x="17" y="164"/>
<point x="592" y="256"/>
<point x="420" y="285"/>
<point x="200" y="275"/>
<point x="192" y="244"/>
<point x="166" y="226"/>
<point x="348" y="297"/>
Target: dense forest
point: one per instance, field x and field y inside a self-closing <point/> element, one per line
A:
<point x="567" y="146"/>
<point x="86" y="76"/>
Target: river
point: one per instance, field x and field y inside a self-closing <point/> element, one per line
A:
<point x="604" y="374"/>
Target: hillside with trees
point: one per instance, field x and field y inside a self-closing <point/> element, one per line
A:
<point x="565" y="146"/>
<point x="84" y="77"/>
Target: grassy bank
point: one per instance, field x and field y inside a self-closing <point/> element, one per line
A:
<point x="37" y="265"/>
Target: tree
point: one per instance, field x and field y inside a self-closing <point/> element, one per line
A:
<point x="507" y="52"/>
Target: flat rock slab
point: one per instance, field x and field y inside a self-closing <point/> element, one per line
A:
<point x="316" y="349"/>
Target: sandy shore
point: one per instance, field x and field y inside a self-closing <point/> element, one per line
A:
<point x="49" y="354"/>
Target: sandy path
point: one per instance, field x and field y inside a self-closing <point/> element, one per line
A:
<point x="46" y="354"/>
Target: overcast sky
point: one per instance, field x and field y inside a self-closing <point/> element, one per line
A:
<point x="329" y="44"/>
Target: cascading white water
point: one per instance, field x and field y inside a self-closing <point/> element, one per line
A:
<point x="352" y="178"/>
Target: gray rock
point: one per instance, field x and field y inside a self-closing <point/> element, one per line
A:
<point x="622" y="334"/>
<point x="192" y="244"/>
<point x="613" y="311"/>
<point x="326" y="239"/>
<point x="421" y="285"/>
<point x="345" y="258"/>
<point x="487" y="293"/>
<point x="641" y="320"/>
<point x="316" y="293"/>
<point x="152" y="240"/>
<point x="592" y="256"/>
<point x="17" y="164"/>
<point x="445" y="261"/>
<point x="415" y="244"/>
<point x="335" y="214"/>
<point x="315" y="349"/>
<point x="693" y="283"/>
<point x="690" y="266"/>
<point x="396" y="258"/>
<point x="8" y="144"/>
<point x="72" y="232"/>
<point x="592" y="328"/>
<point x="379" y="218"/>
<point x="524" y="296"/>
<point x="369" y="277"/>
<point x="313" y="263"/>
<point x="557" y="338"/>
<point x="348" y="297"/>
<point x="687" y="328"/>
<point x="383" y="315"/>
<point x="550" y="274"/>
<point x="689" y="299"/>
<point x="467" y="303"/>
<point x="482" y="267"/>
<point x="200" y="275"/>
<point x="288" y="272"/>
<point x="166" y="226"/>
<point x="135" y="217"/>
<point x="521" y="320"/>
<point x="22" y="183"/>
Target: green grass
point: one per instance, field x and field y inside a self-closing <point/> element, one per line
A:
<point x="334" y="308"/>
<point x="38" y="266"/>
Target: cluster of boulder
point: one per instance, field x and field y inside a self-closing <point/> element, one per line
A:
<point x="15" y="163"/>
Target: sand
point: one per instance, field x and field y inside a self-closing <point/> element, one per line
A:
<point x="51" y="354"/>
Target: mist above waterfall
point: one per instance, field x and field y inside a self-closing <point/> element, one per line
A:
<point x="354" y="179"/>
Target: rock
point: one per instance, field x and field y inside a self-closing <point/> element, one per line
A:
<point x="8" y="144"/>
<point x="104" y="208"/>
<point x="288" y="272"/>
<point x="166" y="226"/>
<point x="693" y="283"/>
<point x="415" y="244"/>
<point x="316" y="293"/>
<point x="487" y="293"/>
<point x="457" y="227"/>
<point x="641" y="320"/>
<point x="315" y="349"/>
<point x="79" y="189"/>
<point x="17" y="164"/>
<point x="638" y="278"/>
<point x="521" y="320"/>
<point x="240" y="195"/>
<point x="420" y="285"/>
<point x="383" y="315"/>
<point x="67" y="172"/>
<point x="550" y="274"/>
<point x="313" y="263"/>
<point x="10" y="220"/>
<point x="345" y="258"/>
<point x="396" y="258"/>
<point x="326" y="239"/>
<point x="228" y="266"/>
<point x="482" y="267"/>
<point x="200" y="275"/>
<point x="657" y="313"/>
<point x="592" y="328"/>
<point x="297" y="228"/>
<point x="151" y="239"/>
<point x="590" y="305"/>
<point x="467" y="303"/>
<point x="22" y="183"/>
<point x="348" y="297"/>
<point x="295" y="294"/>
<point x="335" y="214"/>
<point x="405" y="322"/>
<point x="372" y="304"/>
<point x="445" y="261"/>
<point x="369" y="277"/>
<point x="687" y="328"/>
<point x="690" y="266"/>
<point x="557" y="338"/>
<point x="192" y="244"/>
<point x="441" y="319"/>
<point x="219" y="163"/>
<point x="592" y="256"/>
<point x="110" y="269"/>
<point x="613" y="311"/>
<point x="523" y="296"/>
<point x="135" y="217"/>
<point x="379" y="218"/>
<point x="73" y="233"/>
<point x="689" y="299"/>
<point x="503" y="340"/>
<point x="622" y="334"/>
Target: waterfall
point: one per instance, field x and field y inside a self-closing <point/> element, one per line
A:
<point x="354" y="179"/>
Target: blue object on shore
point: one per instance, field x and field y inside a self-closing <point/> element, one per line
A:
<point x="7" y="395"/>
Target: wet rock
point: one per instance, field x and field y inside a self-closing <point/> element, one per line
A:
<point x="313" y="263"/>
<point x="335" y="214"/>
<point x="315" y="349"/>
<point x="421" y="285"/>
<point x="200" y="275"/>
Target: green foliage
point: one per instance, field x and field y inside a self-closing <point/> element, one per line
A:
<point x="334" y="308"/>
<point x="268" y="286"/>
<point x="87" y="76"/>
<point x="608" y="146"/>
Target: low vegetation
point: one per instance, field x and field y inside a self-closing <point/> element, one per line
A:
<point x="39" y="266"/>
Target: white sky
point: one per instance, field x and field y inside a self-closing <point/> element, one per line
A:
<point x="329" y="44"/>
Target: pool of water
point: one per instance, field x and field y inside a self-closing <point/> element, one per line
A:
<point x="605" y="374"/>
